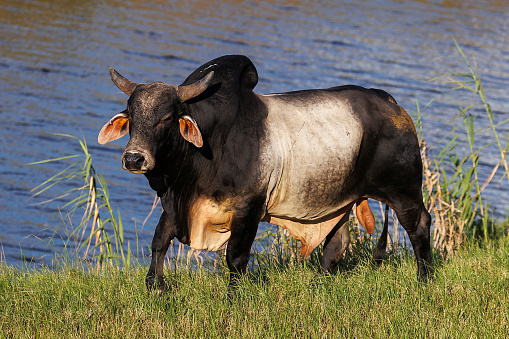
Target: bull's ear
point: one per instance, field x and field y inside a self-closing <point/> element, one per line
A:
<point x="117" y="127"/>
<point x="190" y="131"/>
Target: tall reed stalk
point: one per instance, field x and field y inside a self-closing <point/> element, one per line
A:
<point x="100" y="233"/>
<point x="452" y="187"/>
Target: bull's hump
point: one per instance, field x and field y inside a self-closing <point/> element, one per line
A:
<point x="312" y="143"/>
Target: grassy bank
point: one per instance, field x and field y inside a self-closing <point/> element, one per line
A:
<point x="467" y="299"/>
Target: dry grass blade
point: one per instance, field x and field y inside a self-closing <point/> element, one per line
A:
<point x="154" y="205"/>
<point x="88" y="208"/>
<point x="92" y="202"/>
<point x="488" y="180"/>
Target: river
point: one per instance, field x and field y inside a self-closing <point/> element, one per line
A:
<point x="55" y="55"/>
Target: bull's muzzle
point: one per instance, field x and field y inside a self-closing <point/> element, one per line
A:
<point x="136" y="162"/>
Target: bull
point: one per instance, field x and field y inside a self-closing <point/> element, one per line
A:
<point x="223" y="158"/>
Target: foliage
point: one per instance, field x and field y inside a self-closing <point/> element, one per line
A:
<point x="452" y="186"/>
<point x="105" y="230"/>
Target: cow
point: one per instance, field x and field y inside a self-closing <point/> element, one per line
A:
<point x="223" y="158"/>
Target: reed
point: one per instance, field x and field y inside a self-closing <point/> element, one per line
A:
<point x="452" y="185"/>
<point x="100" y="232"/>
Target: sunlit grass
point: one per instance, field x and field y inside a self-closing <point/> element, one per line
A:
<point x="467" y="298"/>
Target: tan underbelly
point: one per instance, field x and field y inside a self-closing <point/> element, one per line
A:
<point x="210" y="225"/>
<point x="311" y="233"/>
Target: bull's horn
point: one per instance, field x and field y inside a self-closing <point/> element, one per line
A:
<point x="122" y="83"/>
<point x="196" y="88"/>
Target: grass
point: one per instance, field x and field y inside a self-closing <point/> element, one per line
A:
<point x="467" y="299"/>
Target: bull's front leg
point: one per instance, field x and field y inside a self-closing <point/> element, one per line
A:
<point x="243" y="232"/>
<point x="163" y="235"/>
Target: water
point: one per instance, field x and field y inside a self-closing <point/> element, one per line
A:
<point x="54" y="59"/>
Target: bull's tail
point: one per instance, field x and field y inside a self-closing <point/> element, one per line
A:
<point x="381" y="245"/>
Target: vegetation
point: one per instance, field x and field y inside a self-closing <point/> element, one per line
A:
<point x="283" y="296"/>
<point x="452" y="183"/>
<point x="467" y="298"/>
<point x="107" y="234"/>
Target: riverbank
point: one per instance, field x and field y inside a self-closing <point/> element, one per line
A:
<point x="467" y="298"/>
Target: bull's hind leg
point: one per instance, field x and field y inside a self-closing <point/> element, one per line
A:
<point x="417" y="223"/>
<point x="381" y="245"/>
<point x="335" y="244"/>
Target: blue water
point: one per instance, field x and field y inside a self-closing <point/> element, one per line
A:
<point x="55" y="55"/>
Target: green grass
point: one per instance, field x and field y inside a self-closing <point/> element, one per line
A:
<point x="467" y="299"/>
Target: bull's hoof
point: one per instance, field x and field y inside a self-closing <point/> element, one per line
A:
<point x="377" y="260"/>
<point x="425" y="271"/>
<point x="156" y="284"/>
<point x="425" y="277"/>
<point x="231" y="293"/>
<point x="232" y="290"/>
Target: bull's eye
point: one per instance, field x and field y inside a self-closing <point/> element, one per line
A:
<point x="165" y="119"/>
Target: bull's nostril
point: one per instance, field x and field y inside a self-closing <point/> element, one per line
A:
<point x="140" y="160"/>
<point x="133" y="161"/>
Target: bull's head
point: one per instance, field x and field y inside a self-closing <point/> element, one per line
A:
<point x="152" y="109"/>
